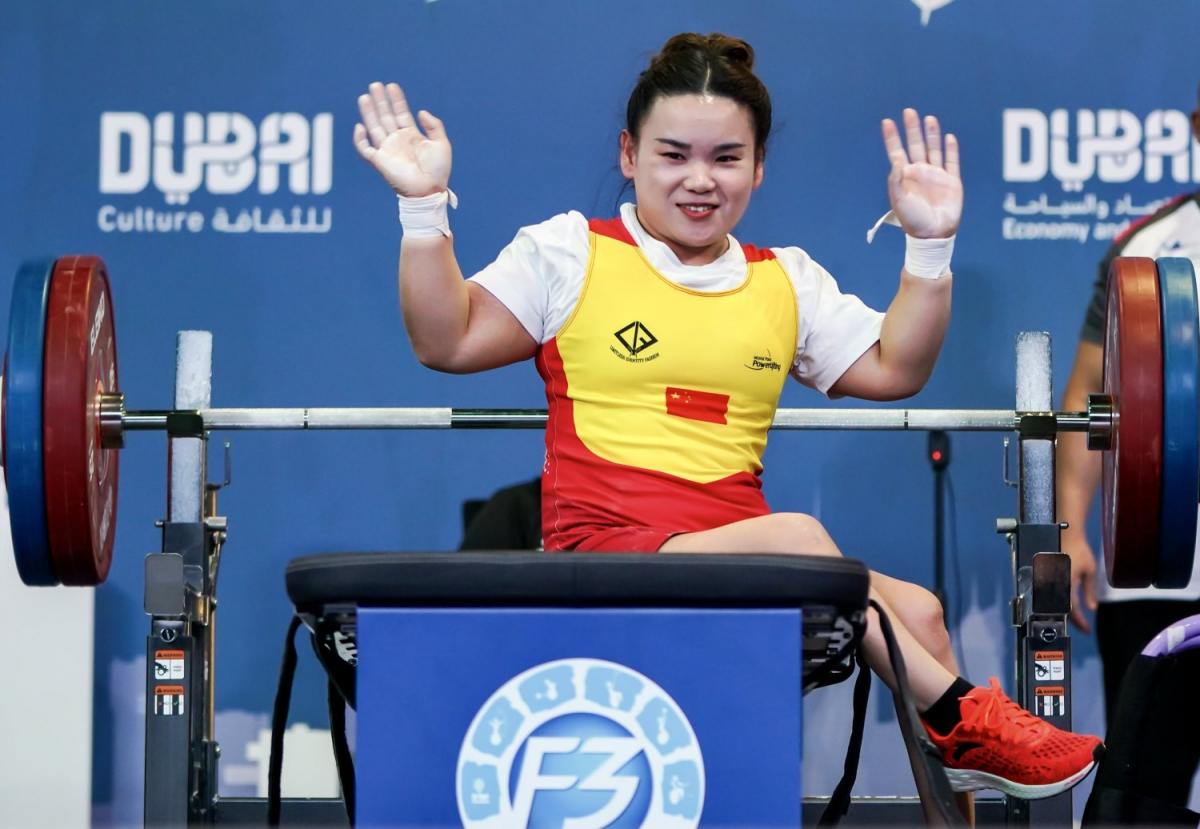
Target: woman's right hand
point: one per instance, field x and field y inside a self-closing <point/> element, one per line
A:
<point x="413" y="163"/>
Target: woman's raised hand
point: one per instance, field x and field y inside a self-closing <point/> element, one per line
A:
<point x="924" y="185"/>
<point x="414" y="163"/>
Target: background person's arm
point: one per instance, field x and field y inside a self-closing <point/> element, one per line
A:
<point x="1077" y="477"/>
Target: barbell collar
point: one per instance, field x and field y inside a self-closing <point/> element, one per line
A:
<point x="112" y="420"/>
<point x="1100" y="422"/>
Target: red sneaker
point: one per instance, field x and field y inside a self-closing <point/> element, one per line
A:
<point x="1000" y="745"/>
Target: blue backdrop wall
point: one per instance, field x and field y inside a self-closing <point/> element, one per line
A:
<point x="234" y="120"/>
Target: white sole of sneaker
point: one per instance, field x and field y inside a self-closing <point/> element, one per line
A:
<point x="966" y="780"/>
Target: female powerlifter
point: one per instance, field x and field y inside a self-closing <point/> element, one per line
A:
<point x="664" y="343"/>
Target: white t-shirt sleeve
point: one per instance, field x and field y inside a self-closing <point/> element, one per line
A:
<point x="834" y="329"/>
<point x="539" y="274"/>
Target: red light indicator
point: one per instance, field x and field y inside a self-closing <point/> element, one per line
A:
<point x="937" y="454"/>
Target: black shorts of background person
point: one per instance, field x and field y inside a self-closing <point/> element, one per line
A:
<point x="1122" y="630"/>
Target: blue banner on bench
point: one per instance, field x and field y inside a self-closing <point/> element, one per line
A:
<point x="605" y="718"/>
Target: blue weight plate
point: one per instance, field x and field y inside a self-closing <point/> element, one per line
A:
<point x="1181" y="423"/>
<point x="23" y="470"/>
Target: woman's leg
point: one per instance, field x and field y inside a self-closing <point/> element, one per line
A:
<point x="921" y="612"/>
<point x="801" y="534"/>
<point x="993" y="743"/>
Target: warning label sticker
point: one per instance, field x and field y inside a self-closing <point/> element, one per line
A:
<point x="1050" y="701"/>
<point x="168" y="700"/>
<point x="1049" y="666"/>
<point x="168" y="664"/>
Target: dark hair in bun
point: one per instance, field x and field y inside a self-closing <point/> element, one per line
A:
<point x="695" y="64"/>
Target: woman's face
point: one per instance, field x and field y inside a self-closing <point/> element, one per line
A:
<point x="693" y="170"/>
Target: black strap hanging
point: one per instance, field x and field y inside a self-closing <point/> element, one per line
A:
<point x="279" y="717"/>
<point x="839" y="801"/>
<point x="341" y="748"/>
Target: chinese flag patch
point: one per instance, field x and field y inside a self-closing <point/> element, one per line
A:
<point x="697" y="405"/>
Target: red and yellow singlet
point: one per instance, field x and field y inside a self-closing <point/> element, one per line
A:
<point x="660" y="398"/>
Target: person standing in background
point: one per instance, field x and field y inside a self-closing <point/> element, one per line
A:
<point x="1126" y="619"/>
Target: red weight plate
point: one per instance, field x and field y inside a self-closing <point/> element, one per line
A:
<point x="1133" y="375"/>
<point x="81" y="475"/>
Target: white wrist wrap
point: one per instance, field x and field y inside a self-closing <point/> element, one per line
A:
<point x="927" y="258"/>
<point x="426" y="216"/>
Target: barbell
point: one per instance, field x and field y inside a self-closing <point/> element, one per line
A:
<point x="64" y="421"/>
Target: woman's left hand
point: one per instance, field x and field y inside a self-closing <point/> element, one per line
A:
<point x="924" y="185"/>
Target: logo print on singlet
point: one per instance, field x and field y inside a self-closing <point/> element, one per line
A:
<point x="636" y="338"/>
<point x="759" y="362"/>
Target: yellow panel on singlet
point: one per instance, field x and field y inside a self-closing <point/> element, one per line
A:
<point x="673" y="380"/>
